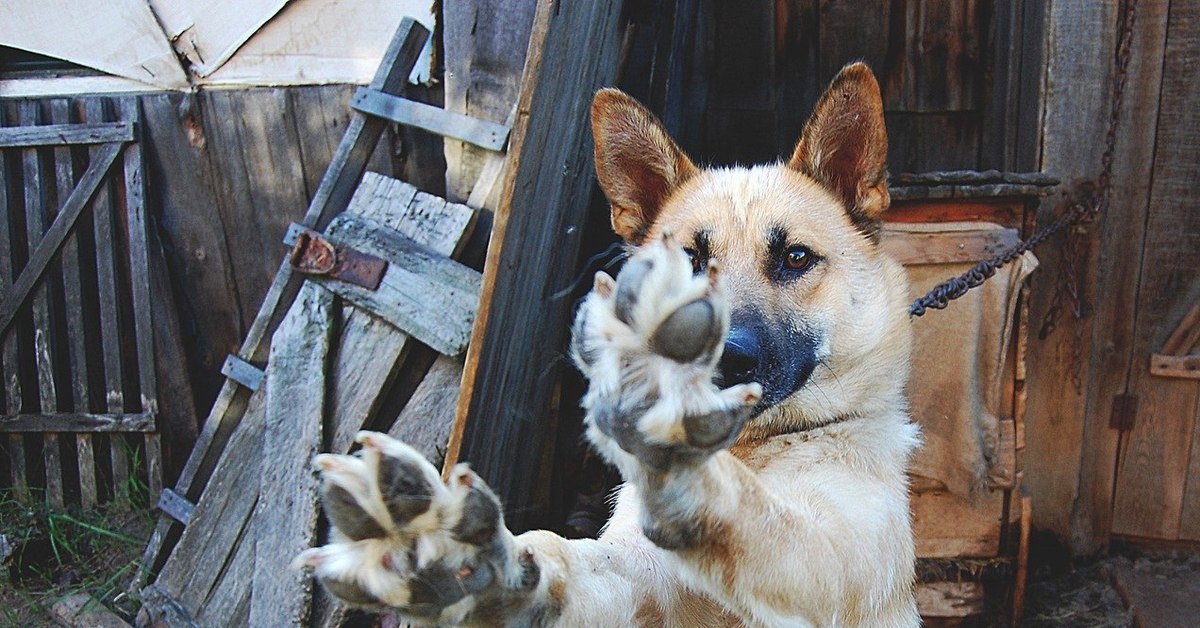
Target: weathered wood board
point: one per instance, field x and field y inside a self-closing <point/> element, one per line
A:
<point x="341" y="397"/>
<point x="521" y="327"/>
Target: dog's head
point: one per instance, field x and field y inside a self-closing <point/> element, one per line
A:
<point x="818" y="311"/>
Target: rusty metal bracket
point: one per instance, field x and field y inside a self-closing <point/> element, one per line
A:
<point x="312" y="254"/>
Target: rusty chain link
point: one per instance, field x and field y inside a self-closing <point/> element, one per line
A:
<point x="1086" y="205"/>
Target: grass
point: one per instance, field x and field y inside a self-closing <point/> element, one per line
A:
<point x="55" y="553"/>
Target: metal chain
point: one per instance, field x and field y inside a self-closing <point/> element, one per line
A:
<point x="1083" y="210"/>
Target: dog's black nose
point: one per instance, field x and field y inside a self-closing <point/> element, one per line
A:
<point x="739" y="361"/>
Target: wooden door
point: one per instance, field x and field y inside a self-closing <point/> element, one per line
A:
<point x="80" y="394"/>
<point x="1157" y="467"/>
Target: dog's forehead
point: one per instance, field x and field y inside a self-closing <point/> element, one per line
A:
<point x="753" y="203"/>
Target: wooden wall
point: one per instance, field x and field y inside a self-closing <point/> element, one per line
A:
<point x="1096" y="466"/>
<point x="960" y="78"/>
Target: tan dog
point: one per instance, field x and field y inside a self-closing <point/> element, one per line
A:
<point x="778" y="500"/>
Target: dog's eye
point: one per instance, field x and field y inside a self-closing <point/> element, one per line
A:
<point x="694" y="258"/>
<point x="798" y="258"/>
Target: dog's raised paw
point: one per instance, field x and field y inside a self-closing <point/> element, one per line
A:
<point x="402" y="539"/>
<point x="649" y="342"/>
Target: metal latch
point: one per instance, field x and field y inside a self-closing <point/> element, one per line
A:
<point x="312" y="254"/>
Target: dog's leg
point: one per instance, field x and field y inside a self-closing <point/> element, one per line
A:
<point x="768" y="545"/>
<point x="440" y="554"/>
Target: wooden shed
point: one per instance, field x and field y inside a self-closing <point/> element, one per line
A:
<point x="245" y="116"/>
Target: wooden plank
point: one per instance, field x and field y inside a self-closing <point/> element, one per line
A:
<point x="48" y="243"/>
<point x="17" y="464"/>
<point x="427" y="418"/>
<point x="40" y="290"/>
<point x="74" y="311"/>
<point x="220" y="516"/>
<point x="186" y="186"/>
<point x="430" y="297"/>
<point x="485" y="42"/>
<point x="521" y="328"/>
<point x="1152" y="471"/>
<point x="948" y="526"/>
<point x="295" y="413"/>
<point x="107" y="287"/>
<point x="937" y="67"/>
<point x="1121" y="239"/>
<point x="481" y="133"/>
<point x="62" y="132"/>
<point x="1185" y="335"/>
<point x="365" y="339"/>
<point x="950" y="599"/>
<point x="1189" y="519"/>
<point x="10" y="362"/>
<point x="138" y="223"/>
<point x="78" y="422"/>
<point x="946" y="243"/>
<point x="1080" y="48"/>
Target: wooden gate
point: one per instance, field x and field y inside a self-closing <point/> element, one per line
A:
<point x="80" y="396"/>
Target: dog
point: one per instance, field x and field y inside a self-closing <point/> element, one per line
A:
<point x="746" y="375"/>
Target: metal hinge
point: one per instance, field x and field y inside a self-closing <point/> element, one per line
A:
<point x="312" y="254"/>
<point x="1124" y="412"/>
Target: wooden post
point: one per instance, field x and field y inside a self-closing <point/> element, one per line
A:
<point x="506" y="413"/>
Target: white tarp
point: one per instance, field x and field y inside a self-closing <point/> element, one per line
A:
<point x="176" y="44"/>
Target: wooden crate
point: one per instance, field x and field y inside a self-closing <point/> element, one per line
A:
<point x="966" y="538"/>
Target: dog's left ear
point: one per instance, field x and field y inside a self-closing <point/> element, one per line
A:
<point x="844" y="145"/>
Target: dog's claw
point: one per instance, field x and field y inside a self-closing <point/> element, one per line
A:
<point x="405" y="540"/>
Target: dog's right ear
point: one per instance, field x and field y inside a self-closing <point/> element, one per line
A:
<point x="638" y="165"/>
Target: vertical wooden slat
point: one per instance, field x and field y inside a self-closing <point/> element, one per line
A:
<point x="1124" y="230"/>
<point x="573" y="51"/>
<point x="37" y="218"/>
<point x="74" y="313"/>
<point x="1080" y="42"/>
<point x="9" y="359"/>
<point x="296" y="395"/>
<point x="110" y="322"/>
<point x="139" y="274"/>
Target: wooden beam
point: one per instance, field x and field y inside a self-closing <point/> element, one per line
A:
<point x="287" y="502"/>
<point x="78" y="422"/>
<point x="457" y="126"/>
<point x="521" y="328"/>
<point x="65" y="134"/>
<point x="1080" y="47"/>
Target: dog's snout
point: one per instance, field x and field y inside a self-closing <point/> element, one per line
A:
<point x="739" y="361"/>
